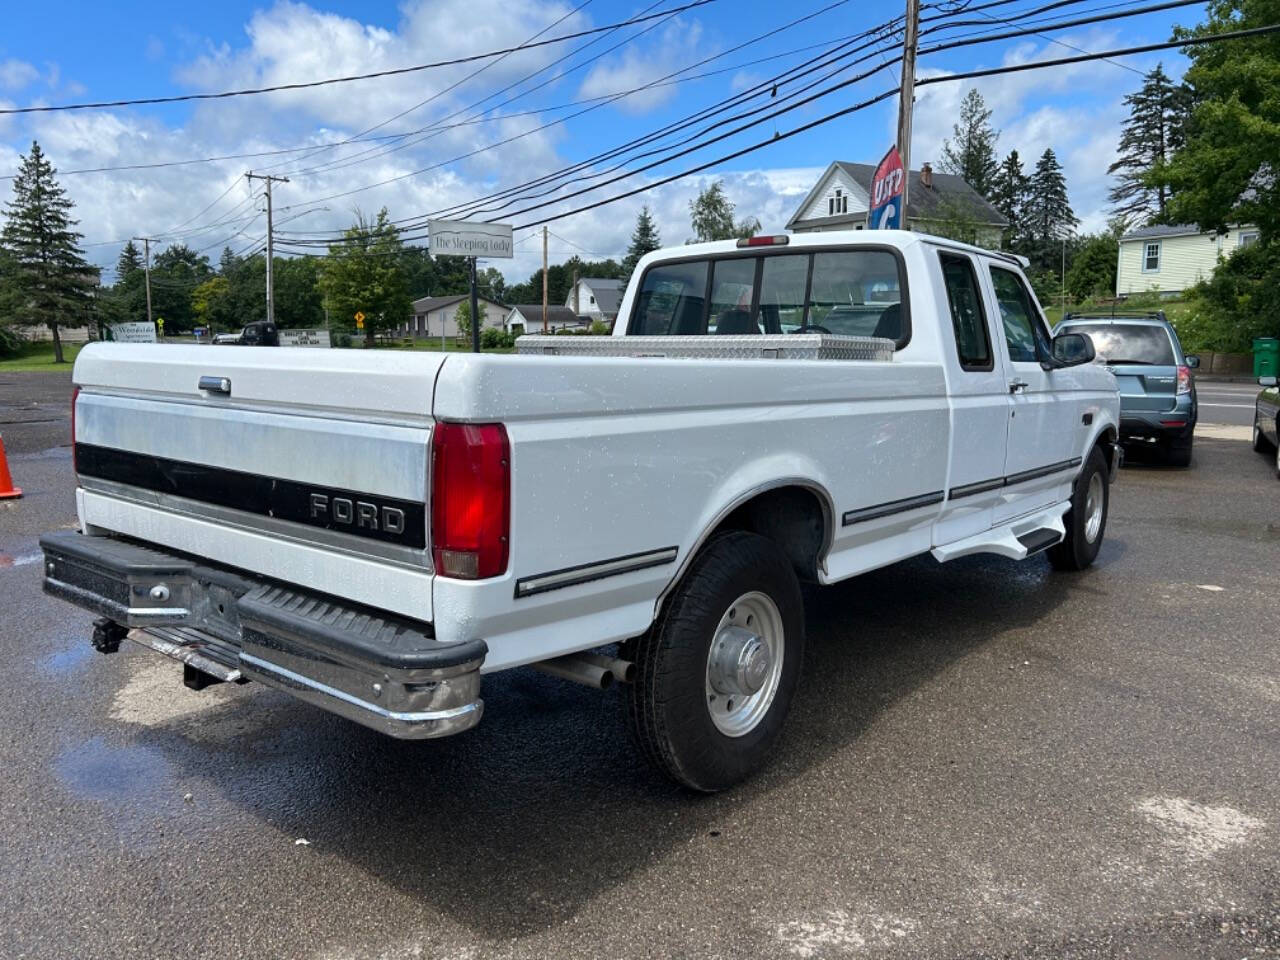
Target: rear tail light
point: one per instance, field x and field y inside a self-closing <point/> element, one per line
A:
<point x="1184" y="380"/>
<point x="470" y="499"/>
<point x="75" y="395"/>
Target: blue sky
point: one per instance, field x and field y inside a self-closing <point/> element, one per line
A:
<point x="133" y="48"/>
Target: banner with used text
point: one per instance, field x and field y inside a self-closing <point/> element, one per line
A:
<point x="886" y="193"/>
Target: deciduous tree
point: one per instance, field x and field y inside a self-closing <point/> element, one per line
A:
<point x="712" y="216"/>
<point x="363" y="274"/>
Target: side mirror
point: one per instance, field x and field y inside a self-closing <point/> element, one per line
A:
<point x="1193" y="361"/>
<point x="1266" y="381"/>
<point x="1072" y="349"/>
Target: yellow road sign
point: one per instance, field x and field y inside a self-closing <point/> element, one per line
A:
<point x="359" y="317"/>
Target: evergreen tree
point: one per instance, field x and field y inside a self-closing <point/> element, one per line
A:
<point x="129" y="262"/>
<point x="49" y="278"/>
<point x="644" y="239"/>
<point x="712" y="217"/>
<point x="1155" y="129"/>
<point x="972" y="152"/>
<point x="1049" y="218"/>
<point x="1009" y="195"/>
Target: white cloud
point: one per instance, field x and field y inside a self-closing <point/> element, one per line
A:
<point x="16" y="74"/>
<point x="672" y="48"/>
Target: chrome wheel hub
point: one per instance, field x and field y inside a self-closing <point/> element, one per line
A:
<point x="1094" y="500"/>
<point x="744" y="664"/>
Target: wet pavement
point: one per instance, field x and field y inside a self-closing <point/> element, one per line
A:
<point x="985" y="759"/>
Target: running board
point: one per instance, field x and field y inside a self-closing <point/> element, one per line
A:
<point x="1016" y="540"/>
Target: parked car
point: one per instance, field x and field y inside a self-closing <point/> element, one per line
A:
<point x="1266" y="420"/>
<point x="257" y="334"/>
<point x="374" y="536"/>
<point x="1157" y="390"/>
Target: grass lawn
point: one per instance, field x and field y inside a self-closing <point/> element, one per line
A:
<point x="38" y="356"/>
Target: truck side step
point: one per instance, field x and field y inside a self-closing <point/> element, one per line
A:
<point x="1037" y="540"/>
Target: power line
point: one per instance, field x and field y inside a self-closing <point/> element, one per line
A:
<point x="473" y="208"/>
<point x="372" y="153"/>
<point x="949" y="78"/>
<point x="142" y="101"/>
<point x="457" y="83"/>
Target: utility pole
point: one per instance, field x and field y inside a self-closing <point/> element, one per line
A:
<point x="271" y="300"/>
<point x="146" y="266"/>
<point x="906" y="98"/>
<point x="544" y="278"/>
<point x="475" y="311"/>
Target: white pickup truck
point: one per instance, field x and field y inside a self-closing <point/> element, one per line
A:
<point x="375" y="531"/>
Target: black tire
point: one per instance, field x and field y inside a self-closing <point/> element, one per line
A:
<point x="1178" y="453"/>
<point x="1077" y="551"/>
<point x="667" y="706"/>
<point x="1260" y="442"/>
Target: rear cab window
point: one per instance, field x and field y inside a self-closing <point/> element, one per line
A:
<point x="852" y="292"/>
<point x="1140" y="343"/>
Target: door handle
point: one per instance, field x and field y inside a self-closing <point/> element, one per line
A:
<point x="1017" y="384"/>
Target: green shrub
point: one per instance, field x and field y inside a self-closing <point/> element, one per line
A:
<point x="491" y="338"/>
<point x="599" y="328"/>
<point x="11" y="342"/>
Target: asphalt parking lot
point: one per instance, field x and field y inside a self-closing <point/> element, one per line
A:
<point x="986" y="759"/>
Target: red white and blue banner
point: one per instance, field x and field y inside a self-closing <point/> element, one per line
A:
<point x="886" y="193"/>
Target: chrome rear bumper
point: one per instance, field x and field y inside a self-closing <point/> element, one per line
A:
<point x="377" y="669"/>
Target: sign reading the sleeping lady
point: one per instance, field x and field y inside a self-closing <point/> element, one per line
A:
<point x="459" y="238"/>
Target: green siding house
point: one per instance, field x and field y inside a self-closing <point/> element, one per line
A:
<point x="1169" y="259"/>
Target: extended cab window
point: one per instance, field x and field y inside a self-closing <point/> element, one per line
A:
<point x="973" y="343"/>
<point x="857" y="293"/>
<point x="1023" y="329"/>
<point x="732" y="285"/>
<point x="672" y="300"/>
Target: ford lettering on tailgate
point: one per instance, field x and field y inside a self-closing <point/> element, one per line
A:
<point x="360" y="514"/>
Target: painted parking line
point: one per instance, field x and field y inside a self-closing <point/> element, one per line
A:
<point x="1234" y="406"/>
<point x="1223" y="431"/>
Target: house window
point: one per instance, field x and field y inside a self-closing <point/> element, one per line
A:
<point x="837" y="204"/>
<point x="1247" y="239"/>
<point x="1151" y="258"/>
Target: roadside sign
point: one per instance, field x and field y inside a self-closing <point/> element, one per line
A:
<point x="133" y="332"/>
<point x="459" y="238"/>
<point x="304" y="338"/>
<point x="359" y="320"/>
<point x="160" y="324"/>
<point x="886" y="193"/>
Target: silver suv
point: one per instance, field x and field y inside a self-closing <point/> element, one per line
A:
<point x="1157" y="391"/>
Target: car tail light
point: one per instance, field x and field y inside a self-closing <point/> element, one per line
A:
<point x="470" y="499"/>
<point x="75" y="394"/>
<point x="1184" y="379"/>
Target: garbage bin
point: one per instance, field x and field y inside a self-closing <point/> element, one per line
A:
<point x="1266" y="356"/>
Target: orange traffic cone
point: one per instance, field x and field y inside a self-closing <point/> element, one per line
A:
<point x="7" y="489"/>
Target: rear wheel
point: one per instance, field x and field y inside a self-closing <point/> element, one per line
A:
<point x="1086" y="521"/>
<point x="1260" y="444"/>
<point x="1178" y="453"/>
<point x="716" y="673"/>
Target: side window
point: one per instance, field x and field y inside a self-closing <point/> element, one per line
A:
<point x="1021" y="320"/>
<point x="857" y="293"/>
<point x="672" y="300"/>
<point x="973" y="343"/>
<point x="732" y="284"/>
<point x="782" y="288"/>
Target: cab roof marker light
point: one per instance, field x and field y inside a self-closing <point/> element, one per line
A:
<point x="767" y="240"/>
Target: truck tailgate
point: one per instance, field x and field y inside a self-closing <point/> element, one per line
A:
<point x="311" y="469"/>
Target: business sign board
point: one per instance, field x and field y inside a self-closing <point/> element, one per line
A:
<point x="459" y="238"/>
<point x="133" y="332"/>
<point x="886" y="193"/>
<point x="304" y="338"/>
